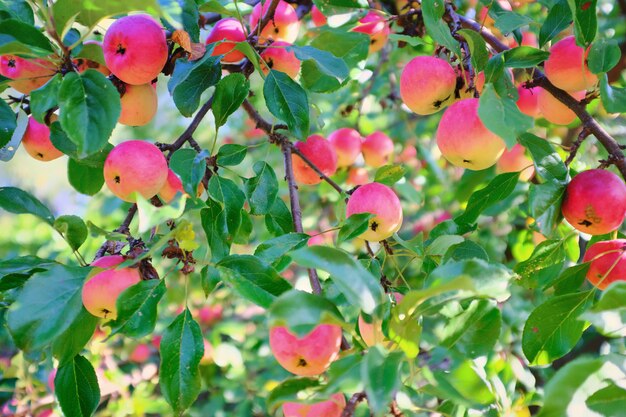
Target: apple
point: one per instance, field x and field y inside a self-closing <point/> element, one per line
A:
<point x="320" y="238"/>
<point x="140" y="354"/>
<point x="553" y="110"/>
<point x="595" y="202"/>
<point x="528" y="102"/>
<point x="232" y="32"/>
<point x="100" y="292"/>
<point x="427" y="84"/>
<point x="515" y="160"/>
<point x="377" y="149"/>
<point x="528" y="39"/>
<point x="317" y="17"/>
<point x="567" y="68"/>
<point x="207" y="356"/>
<point x="283" y="27"/>
<point x="174" y="185"/>
<point x="319" y="151"/>
<point x="329" y="408"/>
<point x="608" y="262"/>
<point x="372" y="333"/>
<point x="347" y="145"/>
<point x="135" y="166"/>
<point x="27" y="74"/>
<point x="135" y="49"/>
<point x="383" y="203"/>
<point x="83" y="64"/>
<point x="357" y="176"/>
<point x="279" y="58"/>
<point x="36" y="141"/>
<point x="375" y="25"/>
<point x="484" y="19"/>
<point x="464" y="140"/>
<point x="139" y="105"/>
<point x="309" y="355"/>
<point x="428" y="221"/>
<point x="209" y="315"/>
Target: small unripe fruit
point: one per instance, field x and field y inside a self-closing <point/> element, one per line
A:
<point x="347" y="145"/>
<point x="464" y="140"/>
<point x="377" y="149"/>
<point x="277" y="57"/>
<point x="135" y="49"/>
<point x="27" y="74"/>
<point x="515" y="160"/>
<point x="230" y="30"/>
<point x="553" y="110"/>
<point x="139" y="105"/>
<point x="567" y="68"/>
<point x="608" y="262"/>
<point x="36" y="141"/>
<point x="318" y="18"/>
<point x="319" y="151"/>
<point x="427" y="84"/>
<point x="135" y="166"/>
<point x="528" y="102"/>
<point x="309" y="355"/>
<point x="375" y="25"/>
<point x="283" y="27"/>
<point x="383" y="203"/>
<point x="595" y="202"/>
<point x="329" y="408"/>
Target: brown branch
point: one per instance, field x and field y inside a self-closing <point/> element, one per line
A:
<point x="187" y="135"/>
<point x="395" y="410"/>
<point x="123" y="228"/>
<point x="350" y="407"/>
<point x="574" y="148"/>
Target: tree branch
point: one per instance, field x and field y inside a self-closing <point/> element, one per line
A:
<point x="348" y="411"/>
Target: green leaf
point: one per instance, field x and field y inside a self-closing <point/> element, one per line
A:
<point x="137" y="308"/>
<point x="389" y="174"/>
<point x="230" y="92"/>
<point x="327" y="63"/>
<point x="190" y="79"/>
<point x="150" y="216"/>
<point x="548" y="162"/>
<point x="380" y="372"/>
<point x="559" y="18"/>
<point x="613" y="98"/>
<point x="72" y="341"/>
<point x="73" y="230"/>
<point x="465" y="250"/>
<point x="549" y="254"/>
<point x="440" y="245"/>
<point x="18" y="201"/>
<point x="524" y="57"/>
<point x="553" y="328"/>
<point x="478" y="48"/>
<point x="279" y="221"/>
<point x="214" y="225"/>
<point x="189" y="17"/>
<point x="608" y="315"/>
<point x="262" y="189"/>
<point x="252" y="278"/>
<point x="287" y="391"/>
<point x="609" y="401"/>
<point x="604" y="54"/>
<point x="45" y="98"/>
<point x="21" y="38"/>
<point x="231" y="154"/>
<point x="76" y="387"/>
<point x="92" y="52"/>
<point x="502" y="116"/>
<point x="585" y="20"/>
<point x="182" y="347"/>
<point x="16" y="271"/>
<point x="89" y="109"/>
<point x="84" y="178"/>
<point x="190" y="166"/>
<point x="497" y="190"/>
<point x="355" y="282"/>
<point x="354" y="226"/>
<point x="288" y="101"/>
<point x="432" y="11"/>
<point x="17" y="9"/>
<point x="47" y="306"/>
<point x="507" y="21"/>
<point x="227" y="193"/>
<point x="274" y="249"/>
<point x="8" y="123"/>
<point x="545" y="205"/>
<point x="411" y="40"/>
<point x="301" y="312"/>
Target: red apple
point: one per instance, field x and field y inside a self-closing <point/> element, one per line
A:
<point x="528" y="102"/>
<point x="318" y="18"/>
<point x="380" y="200"/>
<point x="27" y="74"/>
<point x="329" y="408"/>
<point x="232" y="32"/>
<point x="319" y="151"/>
<point x="139" y="105"/>
<point x="357" y="176"/>
<point x="377" y="149"/>
<point x="567" y="68"/>
<point x="427" y="84"/>
<point x="284" y="27"/>
<point x="347" y="145"/>
<point x="277" y="57"/>
<point x="553" y="110"/>
<point x="375" y="25"/>
<point x="515" y="160"/>
<point x="608" y="262"/>
<point x="140" y="354"/>
<point x="36" y="141"/>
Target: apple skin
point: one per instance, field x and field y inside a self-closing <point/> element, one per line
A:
<point x="528" y="102"/>
<point x="528" y="39"/>
<point x="427" y="84"/>
<point x="135" y="166"/>
<point x="27" y="74"/>
<point x="377" y="149"/>
<point x="280" y="59"/>
<point x="347" y="145"/>
<point x="174" y="185"/>
<point x="595" y="202"/>
<point x="307" y="356"/>
<point x="83" y="64"/>
<point x="36" y="141"/>
<point x="207" y="356"/>
<point x="329" y="408"/>
<point x="319" y="151"/>
<point x="608" y="262"/>
<point x="140" y="354"/>
<point x="381" y="201"/>
<point x="139" y="105"/>
<point x="284" y="27"/>
<point x="209" y="315"/>
<point x="357" y="176"/>
<point x="515" y="160"/>
<point x="553" y="110"/>
<point x="464" y="140"/>
<point x="135" y="49"/>
<point x="317" y="17"/>
<point x="375" y="25"/>
<point x="372" y="333"/>
<point x="231" y="30"/>
<point x="567" y="68"/>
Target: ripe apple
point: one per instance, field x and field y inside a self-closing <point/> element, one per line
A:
<point x="135" y="166"/>
<point x="309" y="355"/>
<point x="428" y="221"/>
<point x="372" y="333"/>
<point x="608" y="262"/>
<point x="380" y="200"/>
<point x="277" y="57"/>
<point x="567" y="68"/>
<point x="515" y="160"/>
<point x="100" y="292"/>
<point x="284" y="27"/>
<point x="139" y="105"/>
<point x="357" y="176"/>
<point x="375" y="25"/>
<point x="528" y="39"/>
<point x="595" y="202"/>
<point x="209" y="315"/>
<point x="135" y="49"/>
<point x="174" y="185"/>
<point x="464" y="140"/>
<point x="377" y="149"/>
<point x="27" y="74"/>
<point x="347" y="145"/>
<point x="36" y="141"/>
<point x="83" y="64"/>
<point x="140" y="354"/>
<point x="231" y="30"/>
<point x="320" y="238"/>
<point x="528" y="102"/>
<point x="553" y="110"/>
<point x="319" y="151"/>
<point x="427" y="84"/>
<point x="329" y="408"/>
<point x="318" y="18"/>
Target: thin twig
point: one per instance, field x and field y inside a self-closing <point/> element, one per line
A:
<point x="350" y="407"/>
<point x="574" y="148"/>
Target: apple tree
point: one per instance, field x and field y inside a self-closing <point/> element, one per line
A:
<point x="313" y="208"/>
